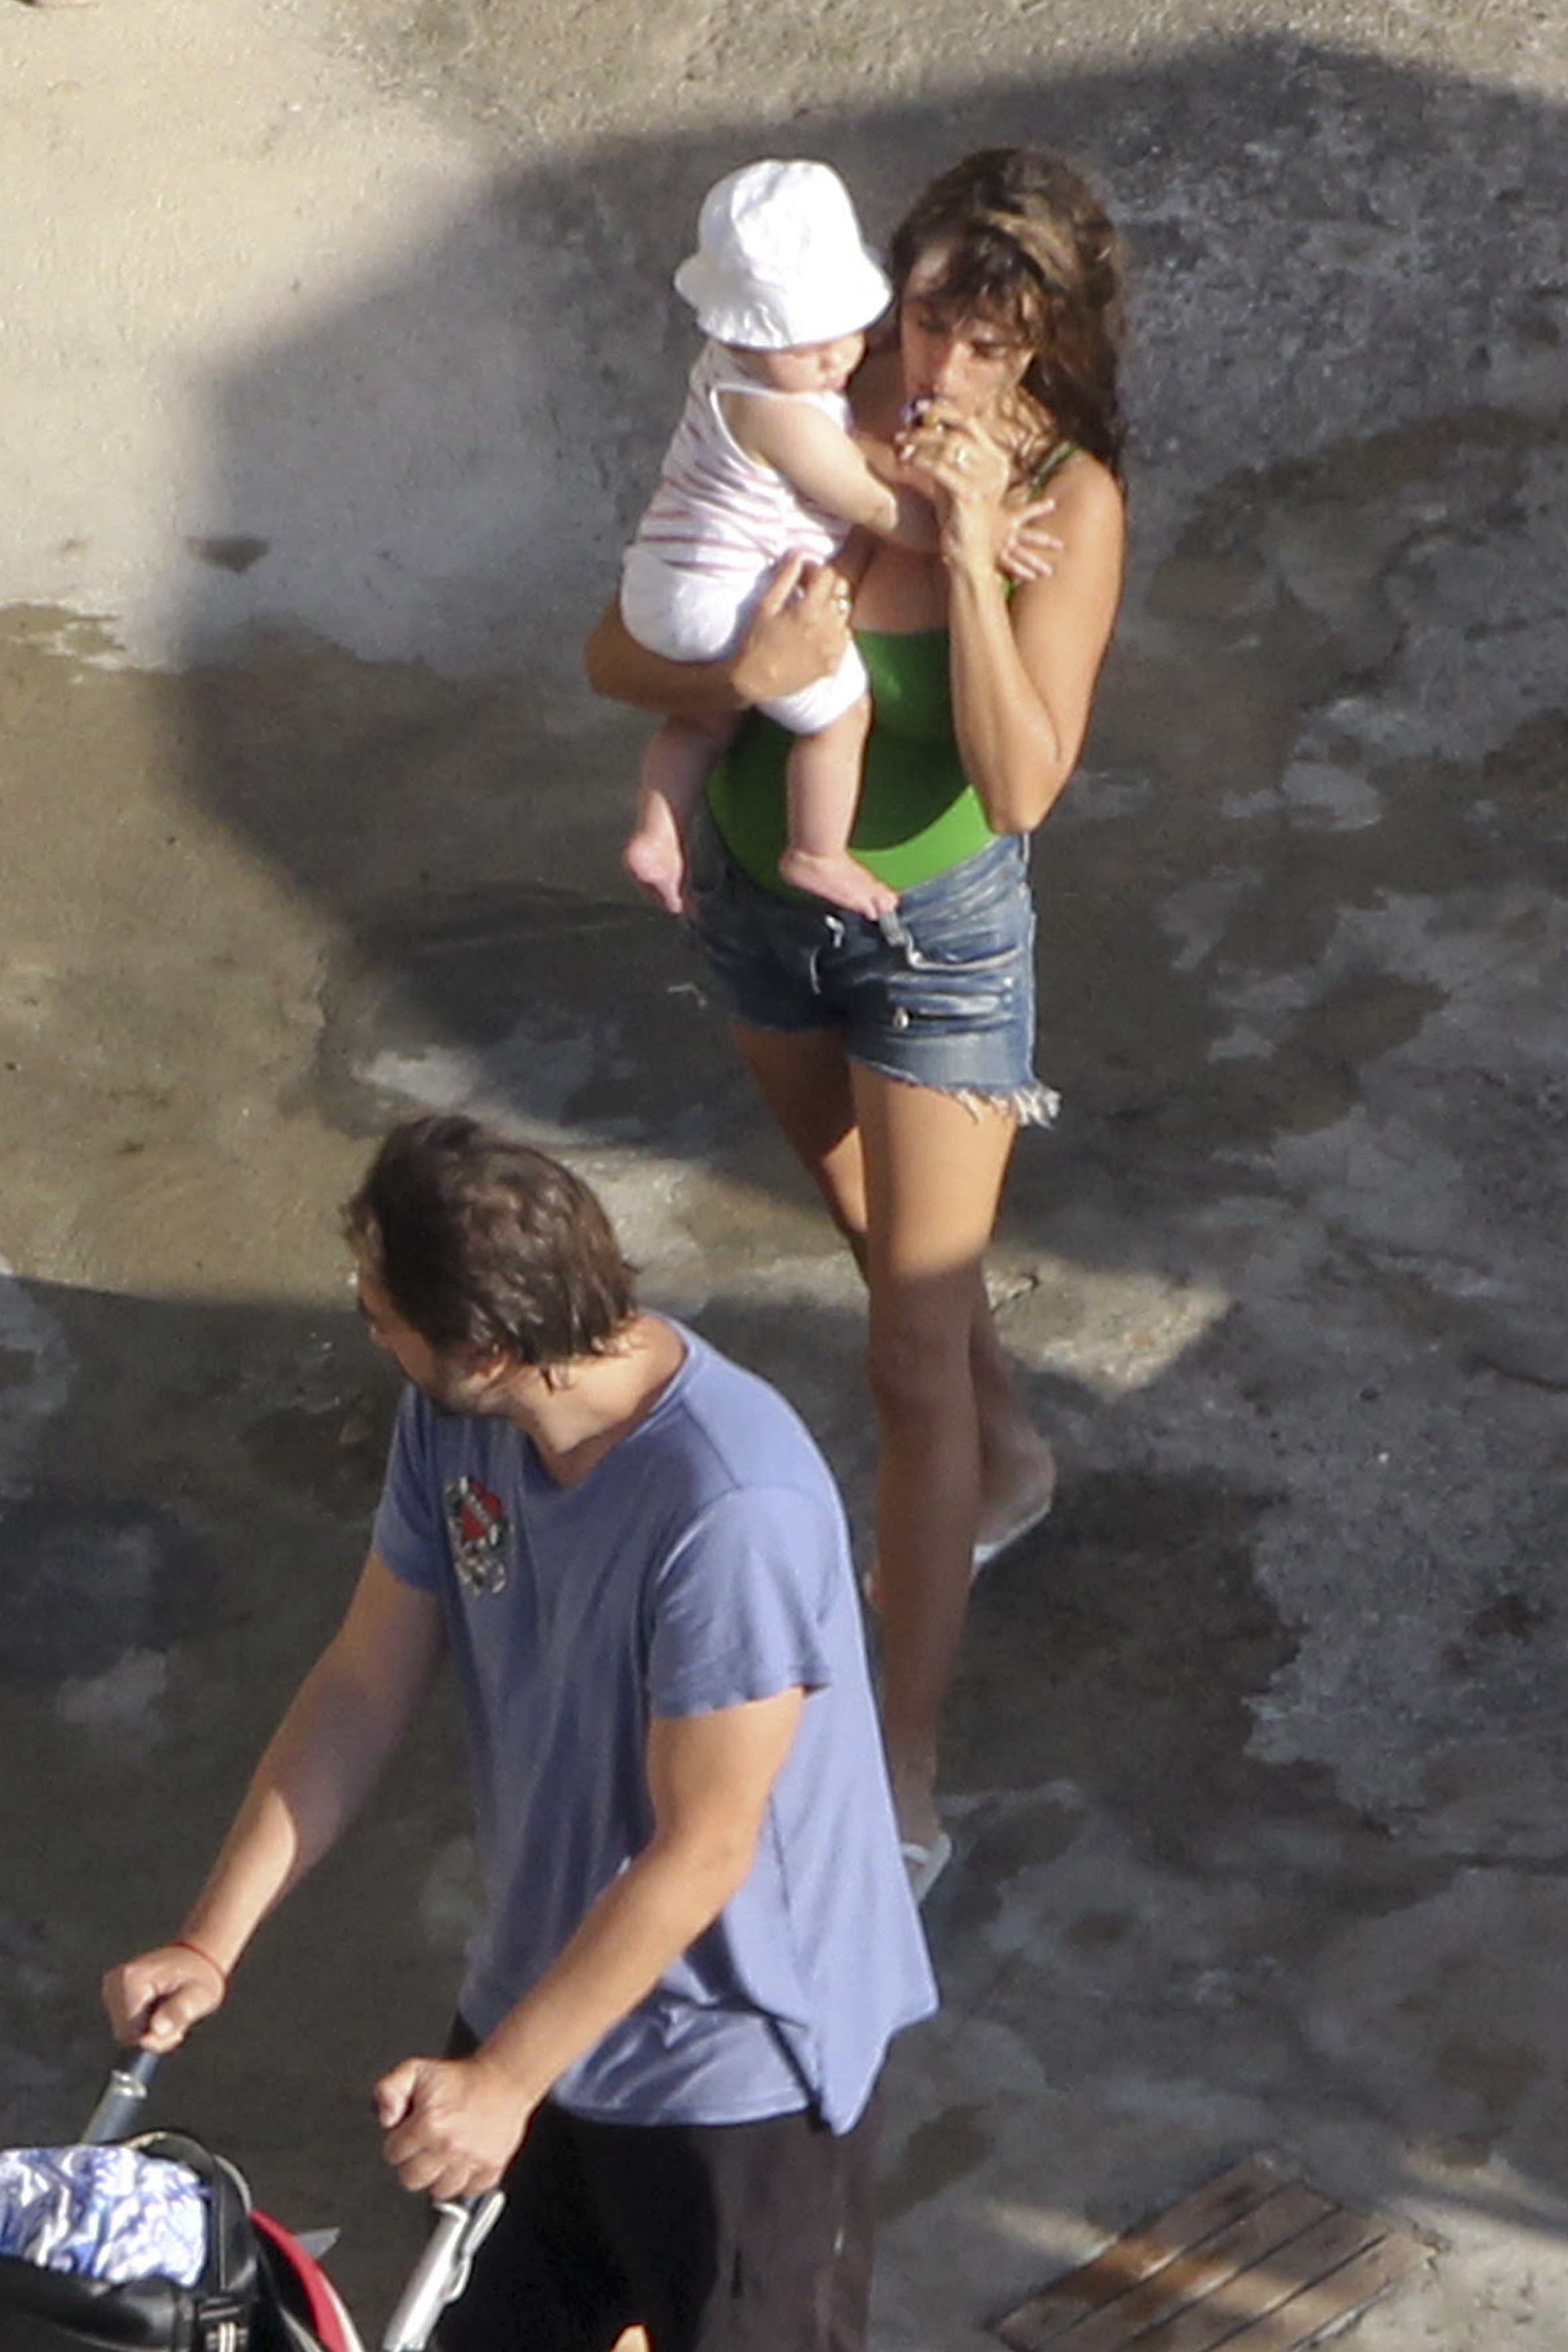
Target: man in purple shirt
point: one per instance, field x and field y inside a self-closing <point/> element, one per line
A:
<point x="698" y="1937"/>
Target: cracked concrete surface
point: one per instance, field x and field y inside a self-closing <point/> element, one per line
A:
<point x="341" y="357"/>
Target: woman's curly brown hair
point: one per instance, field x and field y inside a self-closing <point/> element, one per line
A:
<point x="1025" y="244"/>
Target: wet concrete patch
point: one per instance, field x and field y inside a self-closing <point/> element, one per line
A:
<point x="1445" y="2012"/>
<point x="1136" y="1631"/>
<point x="1299" y="736"/>
<point x="544" y="1006"/>
<point x="88" y="1580"/>
<point x="39" y="2033"/>
<point x="366" y="784"/>
<point x="941" y="2150"/>
<point x="335" y="1455"/>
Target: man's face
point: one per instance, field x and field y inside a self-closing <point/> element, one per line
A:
<point x="454" y="1384"/>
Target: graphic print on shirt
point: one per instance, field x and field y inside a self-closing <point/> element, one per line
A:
<point x="477" y="1526"/>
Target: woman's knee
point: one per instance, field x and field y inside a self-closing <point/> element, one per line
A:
<point x="918" y="1367"/>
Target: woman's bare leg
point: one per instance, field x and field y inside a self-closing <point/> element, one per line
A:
<point x="966" y="1382"/>
<point x="1017" y="1467"/>
<point x="803" y="1076"/>
<point x="933" y="1174"/>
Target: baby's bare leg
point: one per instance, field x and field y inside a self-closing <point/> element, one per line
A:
<point x="824" y="791"/>
<point x="678" y="763"/>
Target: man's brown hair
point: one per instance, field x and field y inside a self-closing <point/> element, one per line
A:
<point x="482" y="1242"/>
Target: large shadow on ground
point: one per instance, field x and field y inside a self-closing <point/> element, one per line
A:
<point x="1336" y="685"/>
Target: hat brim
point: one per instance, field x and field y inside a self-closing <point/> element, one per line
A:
<point x="765" y="317"/>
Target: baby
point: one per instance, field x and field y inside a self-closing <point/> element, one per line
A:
<point x="762" y="464"/>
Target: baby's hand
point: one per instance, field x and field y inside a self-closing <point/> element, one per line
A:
<point x="1029" y="551"/>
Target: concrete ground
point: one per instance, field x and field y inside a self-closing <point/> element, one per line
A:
<point x="338" y="354"/>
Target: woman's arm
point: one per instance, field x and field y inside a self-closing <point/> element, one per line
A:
<point x="1025" y="667"/>
<point x="797" y="635"/>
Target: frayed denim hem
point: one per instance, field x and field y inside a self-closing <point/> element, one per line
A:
<point x="1036" y="1105"/>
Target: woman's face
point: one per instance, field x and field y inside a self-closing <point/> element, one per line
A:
<point x="973" y="363"/>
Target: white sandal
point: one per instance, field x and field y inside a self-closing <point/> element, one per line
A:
<point x="991" y="1547"/>
<point x="925" y="1863"/>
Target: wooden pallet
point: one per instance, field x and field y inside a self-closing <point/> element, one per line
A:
<point x="1253" y="2261"/>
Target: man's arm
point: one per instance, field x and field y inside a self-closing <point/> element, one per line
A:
<point x="452" y="2125"/>
<point x="343" y="1724"/>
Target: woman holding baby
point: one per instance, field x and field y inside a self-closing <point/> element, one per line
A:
<point x="896" y="1053"/>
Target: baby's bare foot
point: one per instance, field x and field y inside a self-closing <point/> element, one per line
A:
<point x="839" y="879"/>
<point x="657" y="866"/>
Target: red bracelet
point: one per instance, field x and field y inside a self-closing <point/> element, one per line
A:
<point x="184" y="1944"/>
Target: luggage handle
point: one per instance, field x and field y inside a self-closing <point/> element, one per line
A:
<point x="442" y="2271"/>
<point x="118" y="2108"/>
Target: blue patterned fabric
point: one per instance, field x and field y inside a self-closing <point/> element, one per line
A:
<point x="105" y="2213"/>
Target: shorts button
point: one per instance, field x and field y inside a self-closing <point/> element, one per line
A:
<point x="900" y="1016"/>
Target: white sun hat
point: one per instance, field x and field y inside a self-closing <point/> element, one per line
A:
<point x="780" y="259"/>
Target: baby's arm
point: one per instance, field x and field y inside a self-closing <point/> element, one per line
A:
<point x="917" y="527"/>
<point x="820" y="461"/>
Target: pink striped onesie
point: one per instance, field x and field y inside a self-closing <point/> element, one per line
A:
<point x="715" y="531"/>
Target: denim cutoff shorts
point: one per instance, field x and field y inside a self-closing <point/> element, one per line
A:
<point x="941" y="992"/>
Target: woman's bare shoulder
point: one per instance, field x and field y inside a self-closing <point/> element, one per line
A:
<point x="1087" y="518"/>
<point x="1084" y="485"/>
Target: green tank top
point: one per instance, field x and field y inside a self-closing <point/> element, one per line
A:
<point x="919" y="815"/>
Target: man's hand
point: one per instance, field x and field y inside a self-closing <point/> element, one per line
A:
<point x="452" y="2125"/>
<point x="155" y="2000"/>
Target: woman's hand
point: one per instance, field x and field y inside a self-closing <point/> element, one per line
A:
<point x="798" y="633"/>
<point x="967" y="474"/>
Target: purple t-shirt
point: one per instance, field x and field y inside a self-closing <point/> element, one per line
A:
<point x="703" y="1563"/>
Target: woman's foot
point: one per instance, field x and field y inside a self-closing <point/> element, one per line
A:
<point x="925" y="1863"/>
<point x="839" y="879"/>
<point x="914" y="1800"/>
<point x="1020" y="1488"/>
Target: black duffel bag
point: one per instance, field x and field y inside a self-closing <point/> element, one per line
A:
<point x="233" y="2308"/>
